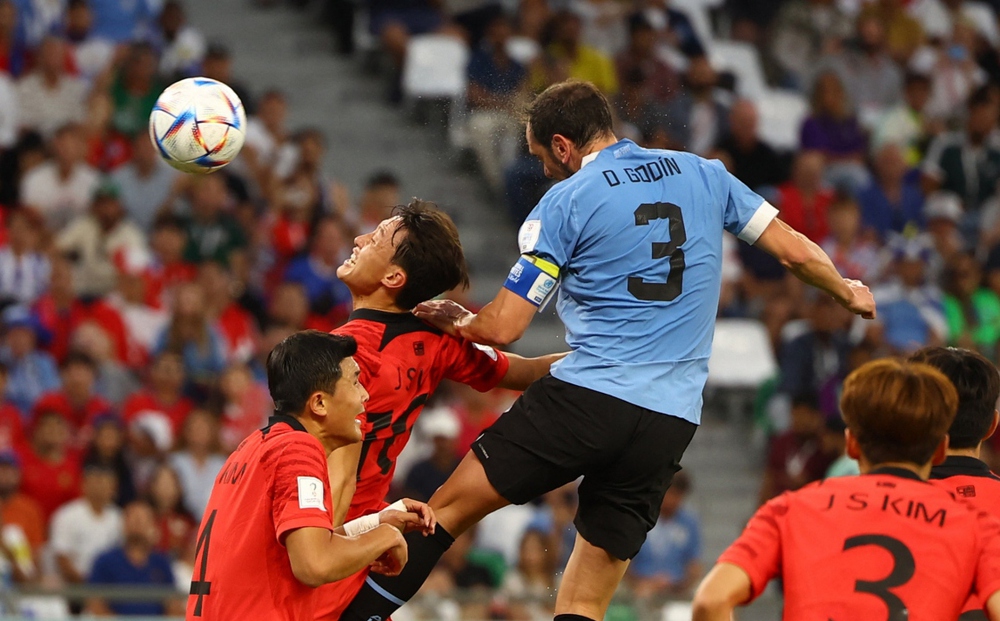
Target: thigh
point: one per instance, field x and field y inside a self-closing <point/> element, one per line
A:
<point x="619" y="503"/>
<point x="589" y="582"/>
<point x="465" y="498"/>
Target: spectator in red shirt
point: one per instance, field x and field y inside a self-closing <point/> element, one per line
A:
<point x="236" y="326"/>
<point x="76" y="401"/>
<point x="163" y="393"/>
<point x="11" y="418"/>
<point x="176" y="526"/>
<point x="51" y="468"/>
<point x="797" y="457"/>
<point x="168" y="268"/>
<point x="245" y="406"/>
<point x="143" y="319"/>
<point x="803" y="200"/>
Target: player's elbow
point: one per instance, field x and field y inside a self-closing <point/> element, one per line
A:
<point x="711" y="604"/>
<point x="309" y="571"/>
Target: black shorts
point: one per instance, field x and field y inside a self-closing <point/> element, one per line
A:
<point x="556" y="432"/>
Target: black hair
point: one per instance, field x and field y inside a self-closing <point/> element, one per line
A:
<point x="381" y="179"/>
<point x="305" y="363"/>
<point x="807" y="399"/>
<point x="169" y="221"/>
<point x="574" y="109"/>
<point x="78" y="357"/>
<point x="430" y="253"/>
<point x="978" y="385"/>
<point x="982" y="96"/>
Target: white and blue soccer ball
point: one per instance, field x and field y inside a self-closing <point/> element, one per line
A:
<point x="198" y="125"/>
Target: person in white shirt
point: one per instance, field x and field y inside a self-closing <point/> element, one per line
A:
<point x="183" y="47"/>
<point x="93" y="55"/>
<point x="198" y="463"/>
<point x="84" y="528"/>
<point x="60" y="189"/>
<point x="48" y="97"/>
<point x="24" y="271"/>
<point x="145" y="183"/>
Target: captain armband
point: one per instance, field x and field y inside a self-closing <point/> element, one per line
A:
<point x="533" y="279"/>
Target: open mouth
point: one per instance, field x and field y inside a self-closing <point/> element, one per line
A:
<point x="351" y="260"/>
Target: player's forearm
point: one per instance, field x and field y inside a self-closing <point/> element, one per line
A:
<point x="486" y="328"/>
<point x="813" y="267"/>
<point x="712" y="611"/>
<point x="353" y="554"/>
<point x="723" y="589"/>
<point x="523" y="371"/>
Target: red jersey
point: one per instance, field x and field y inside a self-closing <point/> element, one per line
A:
<point x="11" y="427"/>
<point x="857" y="547"/>
<point x="275" y="482"/>
<point x="970" y="479"/>
<point x="402" y="361"/>
<point x="49" y="484"/>
<point x="61" y="323"/>
<point x="144" y="401"/>
<point x="77" y="417"/>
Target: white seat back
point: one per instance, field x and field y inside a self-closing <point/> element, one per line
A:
<point x="435" y="67"/>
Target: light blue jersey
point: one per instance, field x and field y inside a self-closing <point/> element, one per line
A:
<point x="636" y="236"/>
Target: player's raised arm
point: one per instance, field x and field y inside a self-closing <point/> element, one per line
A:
<point x="522" y="372"/>
<point x="499" y="323"/>
<point x="807" y="262"/>
<point x="723" y="589"/>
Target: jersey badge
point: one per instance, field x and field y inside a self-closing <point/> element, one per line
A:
<point x="966" y="491"/>
<point x="311" y="493"/>
<point x="418" y="348"/>
<point x="527" y="237"/>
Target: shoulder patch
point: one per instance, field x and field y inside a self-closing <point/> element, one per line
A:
<point x="311" y="493"/>
<point x="527" y="237"/>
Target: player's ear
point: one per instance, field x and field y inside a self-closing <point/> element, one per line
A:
<point x="993" y="427"/>
<point x="562" y="148"/>
<point x="941" y="452"/>
<point x="395" y="278"/>
<point x="317" y="404"/>
<point x="853" y="448"/>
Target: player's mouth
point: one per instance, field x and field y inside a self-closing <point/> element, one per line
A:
<point x="353" y="259"/>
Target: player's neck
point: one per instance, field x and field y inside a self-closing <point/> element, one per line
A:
<point x="598" y="145"/>
<point x="969" y="452"/>
<point x="377" y="301"/>
<point x="924" y="472"/>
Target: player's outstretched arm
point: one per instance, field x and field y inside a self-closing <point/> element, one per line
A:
<point x="723" y="589"/>
<point x="319" y="556"/>
<point x="523" y="371"/>
<point x="499" y="323"/>
<point x="811" y="265"/>
<point x="342" y="466"/>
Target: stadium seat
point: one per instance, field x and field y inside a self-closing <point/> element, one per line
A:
<point x="435" y="67"/>
<point x="741" y="355"/>
<point x="743" y="61"/>
<point x="781" y="115"/>
<point x="523" y="49"/>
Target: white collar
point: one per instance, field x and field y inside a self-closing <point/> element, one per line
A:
<point x="590" y="157"/>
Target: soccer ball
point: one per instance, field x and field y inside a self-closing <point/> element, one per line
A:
<point x="198" y="125"/>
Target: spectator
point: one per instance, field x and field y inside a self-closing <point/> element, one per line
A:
<point x="169" y="268"/>
<point x="24" y="268"/>
<point x="972" y="311"/>
<point x="175" y="525"/>
<point x="9" y="111"/>
<point x="796" y="457"/>
<point x="144" y="183"/>
<point x="76" y="401"/>
<point x="131" y="298"/>
<point x="182" y="47"/>
<point x="22" y="517"/>
<point x="954" y="73"/>
<point x="803" y="32"/>
<point x="891" y="202"/>
<point x="31" y="372"/>
<point x="122" y="23"/>
<point x="48" y="97"/>
<point x="534" y="576"/>
<point x="696" y="118"/>
<point x="910" y="311"/>
<point x="905" y="124"/>
<point x="833" y="130"/>
<point x="496" y="84"/>
<point x="380" y="195"/>
<point x="815" y="361"/>
<point x="13" y="47"/>
<point x="755" y="162"/>
<point x="190" y="335"/>
<point x="86" y="527"/>
<point x="198" y="462"/>
<point x="939" y="17"/>
<point x="555" y="517"/>
<point x="317" y="272"/>
<point x="135" y="90"/>
<point x="107" y="450"/>
<point x="218" y="65"/>
<point x="12" y="436"/>
<point x="458" y="570"/>
<point x="93" y="240"/>
<point x="92" y="55"/>
<point x="854" y="254"/>
<point x="674" y="27"/>
<point x="804" y="199"/>
<point x="943" y="214"/>
<point x="395" y="21"/>
<point x="967" y="162"/>
<point x="50" y="468"/>
<point x="871" y="78"/>
<point x="426" y="476"/>
<point x="660" y="82"/>
<point x="135" y="563"/>
<point x="670" y="560"/>
<point x="903" y="33"/>
<point x="234" y="324"/>
<point x="163" y="393"/>
<point x="114" y="381"/>
<point x="565" y="56"/>
<point x="212" y="233"/>
<point x="245" y="405"/>
<point x="62" y="188"/>
<point x="289" y="306"/>
<point x="150" y="439"/>
<point x="267" y="151"/>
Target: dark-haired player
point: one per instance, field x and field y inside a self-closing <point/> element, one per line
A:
<point x="408" y="259"/>
<point x="882" y="545"/>
<point x="267" y="536"/>
<point x="963" y="473"/>
<point x="633" y="238"/>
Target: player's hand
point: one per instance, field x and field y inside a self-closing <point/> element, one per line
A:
<point x="392" y="560"/>
<point x="446" y="315"/>
<point x="861" y="301"/>
<point x="428" y="521"/>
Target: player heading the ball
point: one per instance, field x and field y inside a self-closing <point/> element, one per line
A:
<point x="882" y="545"/>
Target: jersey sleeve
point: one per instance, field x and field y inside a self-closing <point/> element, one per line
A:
<point x="551" y="230"/>
<point x="301" y="495"/>
<point x="988" y="567"/>
<point x="746" y="213"/>
<point x="758" y="550"/>
<point x="479" y="366"/>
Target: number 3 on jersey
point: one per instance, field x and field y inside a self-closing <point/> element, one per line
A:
<point x="903" y="568"/>
<point x="669" y="290"/>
